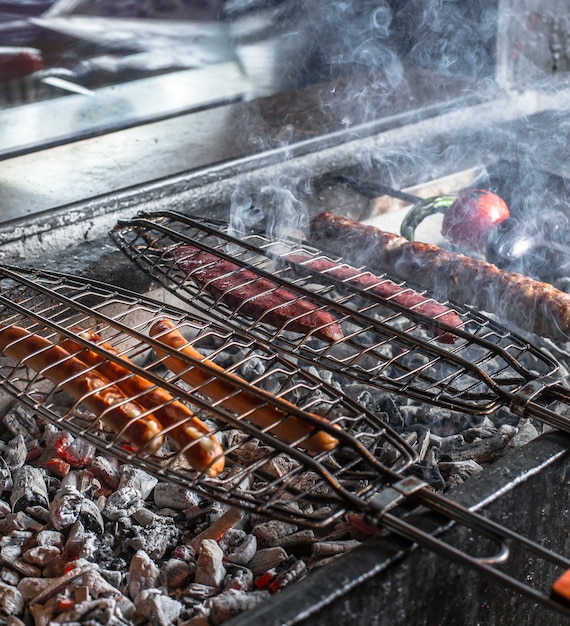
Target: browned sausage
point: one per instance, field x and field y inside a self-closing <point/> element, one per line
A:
<point x="385" y="289"/>
<point x="126" y="418"/>
<point x="529" y="304"/>
<point x="201" y="449"/>
<point x="255" y="296"/>
<point x="287" y="428"/>
<point x="16" y="62"/>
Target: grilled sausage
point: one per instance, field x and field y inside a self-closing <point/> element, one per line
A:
<point x="126" y="418"/>
<point x="201" y="449"/>
<point x="529" y="304"/>
<point x="254" y="296"/>
<point x="384" y="288"/>
<point x="16" y="62"/>
<point x="287" y="428"/>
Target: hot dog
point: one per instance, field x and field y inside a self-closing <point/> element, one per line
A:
<point x="126" y="418"/>
<point x="201" y="449"/>
<point x="288" y="428"/>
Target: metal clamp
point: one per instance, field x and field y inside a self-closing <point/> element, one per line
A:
<point x="390" y="497"/>
<point x="529" y="392"/>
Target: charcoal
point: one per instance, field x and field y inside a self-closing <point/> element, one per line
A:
<point x="37" y="590"/>
<point x="16" y="538"/>
<point x="159" y="609"/>
<point x="429" y="473"/>
<point x="147" y="517"/>
<point x="299" y="542"/>
<point x="486" y="450"/>
<point x="138" y="479"/>
<point x="41" y="555"/>
<point x="50" y="538"/>
<point x="184" y="552"/>
<point x="80" y="453"/>
<point x="444" y="444"/>
<point x="113" y="577"/>
<point x="67" y="503"/>
<point x="11" y="600"/>
<point x="80" y="544"/>
<point x="210" y="569"/>
<point x="252" y="368"/>
<point x="100" y="611"/>
<point x="123" y="503"/>
<point x="10" y="556"/>
<point x="200" y="591"/>
<point x="239" y="578"/>
<point x="459" y="471"/>
<point x="20" y="421"/>
<point x="143" y="573"/>
<point x="220" y="526"/>
<point x="328" y="548"/>
<point x="55" y="439"/>
<point x="29" y="488"/>
<point x="9" y="577"/>
<point x="271" y="532"/>
<point x="14" y="452"/>
<point x="526" y="432"/>
<point x="422" y="445"/>
<point x="107" y="470"/>
<point x="292" y="570"/>
<point x="174" y="574"/>
<point x="266" y="559"/>
<point x="232" y="602"/>
<point x="155" y="539"/>
<point x="240" y="547"/>
<point x="166" y="495"/>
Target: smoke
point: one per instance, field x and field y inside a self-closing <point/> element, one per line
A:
<point x="368" y="58"/>
<point x="275" y="209"/>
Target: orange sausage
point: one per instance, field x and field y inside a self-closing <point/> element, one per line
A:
<point x="287" y="428"/>
<point x="126" y="418"/>
<point x="201" y="449"/>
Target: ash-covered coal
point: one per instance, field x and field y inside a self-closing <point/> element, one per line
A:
<point x="86" y="538"/>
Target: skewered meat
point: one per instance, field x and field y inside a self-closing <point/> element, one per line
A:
<point x="384" y="288"/>
<point x="529" y="304"/>
<point x="201" y="449"/>
<point x="19" y="62"/>
<point x="255" y="297"/>
<point x="286" y="427"/>
<point x="125" y="417"/>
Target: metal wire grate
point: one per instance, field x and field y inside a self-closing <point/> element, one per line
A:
<point x="266" y="469"/>
<point x="402" y="342"/>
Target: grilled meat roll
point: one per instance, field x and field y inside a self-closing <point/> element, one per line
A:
<point x="530" y="305"/>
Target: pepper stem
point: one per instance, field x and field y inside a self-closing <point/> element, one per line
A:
<point x="422" y="209"/>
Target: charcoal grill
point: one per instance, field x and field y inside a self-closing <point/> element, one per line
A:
<point x="366" y="470"/>
<point x="239" y="138"/>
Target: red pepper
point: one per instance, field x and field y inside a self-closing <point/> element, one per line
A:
<point x="467" y="219"/>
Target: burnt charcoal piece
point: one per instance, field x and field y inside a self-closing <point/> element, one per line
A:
<point x="29" y="489"/>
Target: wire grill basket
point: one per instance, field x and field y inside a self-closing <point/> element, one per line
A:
<point x="265" y="469"/>
<point x="404" y="342"/>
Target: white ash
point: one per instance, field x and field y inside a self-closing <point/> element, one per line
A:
<point x="85" y="538"/>
<point x="210" y="569"/>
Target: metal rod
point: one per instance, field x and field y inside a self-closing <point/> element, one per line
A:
<point x="375" y="190"/>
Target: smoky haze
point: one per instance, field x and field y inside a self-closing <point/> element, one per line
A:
<point x="371" y="56"/>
